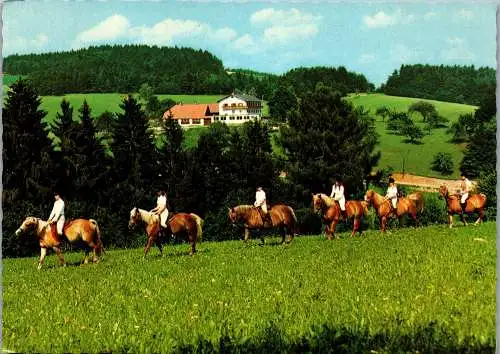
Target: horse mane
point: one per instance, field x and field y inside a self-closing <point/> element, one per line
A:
<point x="146" y="216"/>
<point x="327" y="200"/>
<point x="243" y="209"/>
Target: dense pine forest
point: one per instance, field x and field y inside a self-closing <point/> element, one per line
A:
<point x="460" y="84"/>
<point x="168" y="70"/>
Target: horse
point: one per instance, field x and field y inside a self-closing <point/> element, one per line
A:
<point x="412" y="205"/>
<point x="330" y="211"/>
<point x="76" y="231"/>
<point x="189" y="225"/>
<point x="475" y="203"/>
<point x="282" y="217"/>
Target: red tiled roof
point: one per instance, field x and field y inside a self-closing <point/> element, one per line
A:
<point x="192" y="110"/>
<point x="213" y="107"/>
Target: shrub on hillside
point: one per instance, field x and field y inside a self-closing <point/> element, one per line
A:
<point x="443" y="163"/>
<point x="487" y="184"/>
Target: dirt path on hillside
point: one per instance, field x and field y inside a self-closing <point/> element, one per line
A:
<point x="427" y="183"/>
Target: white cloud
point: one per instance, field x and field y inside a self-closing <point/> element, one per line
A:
<point x="430" y="15"/>
<point x="382" y="19"/>
<point x="402" y="54"/>
<point x="457" y="49"/>
<point x="246" y="44"/>
<point x="161" y="33"/>
<point x="366" y="58"/>
<point x="111" y="28"/>
<point x="463" y="15"/>
<point x="24" y="45"/>
<point x="286" y="34"/>
<point x="292" y="17"/>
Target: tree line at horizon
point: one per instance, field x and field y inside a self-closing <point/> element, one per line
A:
<point x="168" y="70"/>
<point x="459" y="84"/>
<point x="181" y="70"/>
<point x="324" y="137"/>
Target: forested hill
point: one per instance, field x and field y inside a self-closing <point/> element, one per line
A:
<point x="460" y="84"/>
<point x="305" y="79"/>
<point x="168" y="70"/>
<point x="120" y="68"/>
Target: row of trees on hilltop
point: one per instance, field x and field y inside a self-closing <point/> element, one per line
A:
<point x="222" y="170"/>
<point x="167" y="70"/>
<point x="460" y="84"/>
<point x="123" y="68"/>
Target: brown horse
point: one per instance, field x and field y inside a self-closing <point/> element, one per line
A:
<point x="411" y="205"/>
<point x="330" y="211"/>
<point x="282" y="217"/>
<point x="180" y="224"/>
<point x="76" y="231"/>
<point x="475" y="203"/>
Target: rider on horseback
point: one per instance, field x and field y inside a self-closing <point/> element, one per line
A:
<point x="57" y="214"/>
<point x="392" y="194"/>
<point x="261" y="205"/>
<point x="161" y="208"/>
<point x="338" y="195"/>
<point x="465" y="188"/>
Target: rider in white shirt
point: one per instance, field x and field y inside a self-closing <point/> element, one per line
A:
<point x="57" y="214"/>
<point x="260" y="202"/>
<point x="161" y="208"/>
<point x="465" y="188"/>
<point x="392" y="193"/>
<point x="338" y="195"/>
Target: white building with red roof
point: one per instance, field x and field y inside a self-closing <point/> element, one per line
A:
<point x="232" y="109"/>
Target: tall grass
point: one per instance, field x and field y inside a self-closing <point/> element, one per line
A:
<point x="428" y="289"/>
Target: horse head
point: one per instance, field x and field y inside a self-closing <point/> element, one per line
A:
<point x="369" y="196"/>
<point x="233" y="215"/>
<point x="443" y="191"/>
<point x="135" y="217"/>
<point x="29" y="223"/>
<point x="318" y="202"/>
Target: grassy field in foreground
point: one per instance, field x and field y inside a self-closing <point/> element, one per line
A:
<point x="426" y="289"/>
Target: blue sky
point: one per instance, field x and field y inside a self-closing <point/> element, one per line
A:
<point x="369" y="38"/>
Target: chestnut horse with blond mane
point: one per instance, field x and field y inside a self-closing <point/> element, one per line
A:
<point x="282" y="217"/>
<point x="81" y="231"/>
<point x="330" y="211"/>
<point x="411" y="205"/>
<point x="475" y="203"/>
<point x="179" y="224"/>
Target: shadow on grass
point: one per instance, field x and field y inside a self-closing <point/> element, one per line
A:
<point x="324" y="339"/>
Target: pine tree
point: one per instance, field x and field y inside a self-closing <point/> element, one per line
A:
<point x="65" y="130"/>
<point x="91" y="161"/>
<point x="134" y="167"/>
<point x="172" y="163"/>
<point x="28" y="156"/>
<point x="328" y="138"/>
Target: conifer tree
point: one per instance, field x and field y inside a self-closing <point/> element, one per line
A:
<point x="328" y="138"/>
<point x="134" y="168"/>
<point x="28" y="156"/>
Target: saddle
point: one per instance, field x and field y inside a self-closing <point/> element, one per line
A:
<point x="53" y="228"/>
<point x="266" y="218"/>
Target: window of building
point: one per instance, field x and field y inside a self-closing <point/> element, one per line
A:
<point x="184" y="121"/>
<point x="196" y="121"/>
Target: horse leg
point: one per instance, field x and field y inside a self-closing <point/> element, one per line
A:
<point x="59" y="255"/>
<point x="462" y="216"/>
<point x="148" y="246"/>
<point x="247" y="235"/>
<point x="450" y="220"/>
<point x="193" y="244"/>
<point x="480" y="217"/>
<point x="159" y="245"/>
<point x="334" y="226"/>
<point x="43" y="253"/>
<point x="85" y="256"/>
<point x="383" y="222"/>
<point x="355" y="227"/>
<point x="261" y="234"/>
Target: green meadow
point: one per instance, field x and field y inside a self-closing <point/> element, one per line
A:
<point x="410" y="290"/>
<point x="417" y="157"/>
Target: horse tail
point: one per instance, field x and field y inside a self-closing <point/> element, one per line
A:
<point x="100" y="247"/>
<point x="295" y="221"/>
<point x="419" y="201"/>
<point x="199" y="225"/>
